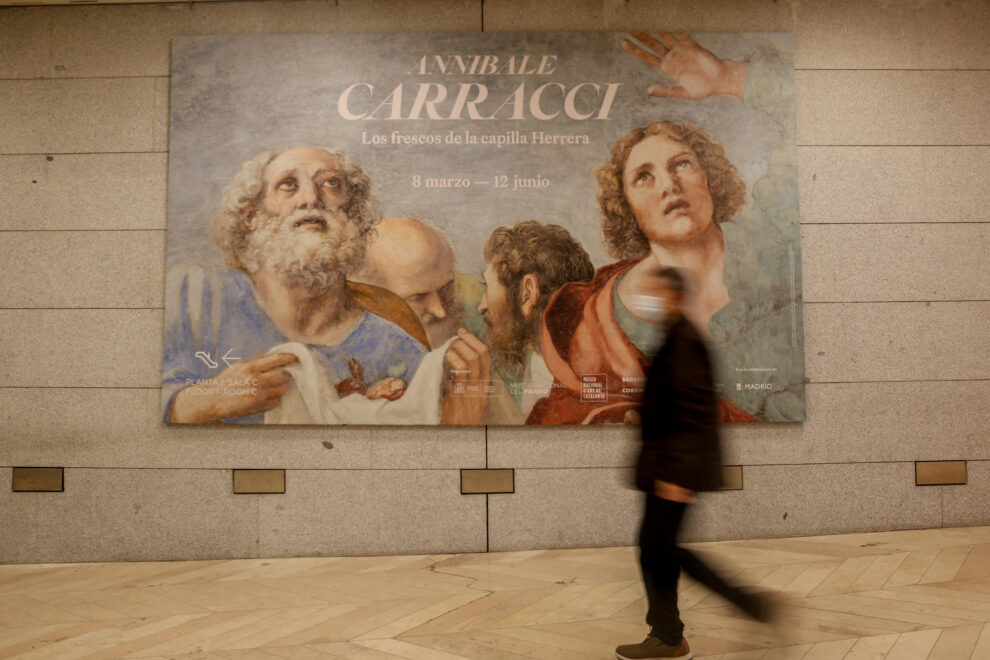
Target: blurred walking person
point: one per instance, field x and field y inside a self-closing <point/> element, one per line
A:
<point x="679" y="456"/>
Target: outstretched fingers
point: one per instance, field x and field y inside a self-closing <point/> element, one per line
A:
<point x="653" y="42"/>
<point x="643" y="55"/>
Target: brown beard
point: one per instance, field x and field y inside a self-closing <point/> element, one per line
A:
<point x="510" y="339"/>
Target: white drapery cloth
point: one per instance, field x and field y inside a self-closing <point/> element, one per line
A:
<point x="313" y="399"/>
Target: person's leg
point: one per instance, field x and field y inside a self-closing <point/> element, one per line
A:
<point x="693" y="565"/>
<point x="660" y="562"/>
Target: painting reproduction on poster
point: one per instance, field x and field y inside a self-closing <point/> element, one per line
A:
<point x="448" y="228"/>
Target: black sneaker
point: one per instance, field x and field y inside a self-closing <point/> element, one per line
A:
<point x="653" y="647"/>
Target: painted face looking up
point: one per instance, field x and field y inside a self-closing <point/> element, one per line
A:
<point x="667" y="190"/>
<point x="299" y="227"/>
<point x="303" y="178"/>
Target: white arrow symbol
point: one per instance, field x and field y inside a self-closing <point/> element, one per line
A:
<point x="226" y="357"/>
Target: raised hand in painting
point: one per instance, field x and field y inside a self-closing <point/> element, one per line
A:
<point x="243" y="388"/>
<point x="697" y="72"/>
<point x="468" y="366"/>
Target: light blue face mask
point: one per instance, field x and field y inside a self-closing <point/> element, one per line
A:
<point x="649" y="308"/>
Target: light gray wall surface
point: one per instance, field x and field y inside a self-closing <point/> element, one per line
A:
<point x="894" y="149"/>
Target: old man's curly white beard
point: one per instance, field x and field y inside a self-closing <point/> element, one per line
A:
<point x="284" y="248"/>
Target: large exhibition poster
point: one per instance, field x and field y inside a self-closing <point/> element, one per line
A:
<point x="455" y="228"/>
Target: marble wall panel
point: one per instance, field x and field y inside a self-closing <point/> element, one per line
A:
<point x="967" y="505"/>
<point x="128" y="515"/>
<point x="893" y="184"/>
<point x="79" y="116"/>
<point x="802" y="500"/>
<point x="128" y="40"/>
<point x="549" y="447"/>
<point x="371" y="512"/>
<point x="98" y="427"/>
<point x="847" y="423"/>
<point x="85" y="191"/>
<point x="847" y="34"/>
<point x="918" y="262"/>
<point x="618" y="15"/>
<point x="160" y="115"/>
<point x="896" y="341"/>
<point x="565" y="508"/>
<point x="568" y="508"/>
<point x="873" y="421"/>
<point x="80" y="348"/>
<point x="894" y="34"/>
<point x="24" y="53"/>
<point x="83" y="269"/>
<point x="891" y="382"/>
<point x="886" y="107"/>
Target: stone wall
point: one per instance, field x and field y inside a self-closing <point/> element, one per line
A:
<point x="894" y="147"/>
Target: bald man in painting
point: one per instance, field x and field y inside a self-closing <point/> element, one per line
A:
<point x="412" y="258"/>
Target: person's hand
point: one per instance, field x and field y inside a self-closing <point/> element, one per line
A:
<point x="669" y="491"/>
<point x="466" y="360"/>
<point x="698" y="73"/>
<point x="244" y="388"/>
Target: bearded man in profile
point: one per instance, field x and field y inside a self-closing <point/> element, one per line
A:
<point x="525" y="265"/>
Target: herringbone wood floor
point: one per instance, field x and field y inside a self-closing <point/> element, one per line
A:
<point x="910" y="594"/>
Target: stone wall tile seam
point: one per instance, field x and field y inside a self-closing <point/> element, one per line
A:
<point x="855" y="224"/>
<point x="227" y="468"/>
<point x="84" y="153"/>
<point x="898" y="69"/>
<point x="913" y="145"/>
<point x="88" y="231"/>
<point x="79" y="387"/>
<point x="81" y="153"/>
<point x="889" y="302"/>
<point x="895" y="302"/>
<point x="893" y="146"/>
<point x="743" y="465"/>
<point x="86" y="78"/>
<point x="518" y="469"/>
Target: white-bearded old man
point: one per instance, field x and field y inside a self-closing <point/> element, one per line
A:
<point x="292" y="225"/>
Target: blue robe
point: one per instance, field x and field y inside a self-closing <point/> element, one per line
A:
<point x="214" y="312"/>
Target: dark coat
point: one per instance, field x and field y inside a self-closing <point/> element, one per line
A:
<point x="680" y="415"/>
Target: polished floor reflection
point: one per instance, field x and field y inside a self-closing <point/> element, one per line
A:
<point x="910" y="594"/>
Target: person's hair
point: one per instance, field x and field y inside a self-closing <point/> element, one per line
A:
<point x="547" y="251"/>
<point x="623" y="237"/>
<point x="241" y="198"/>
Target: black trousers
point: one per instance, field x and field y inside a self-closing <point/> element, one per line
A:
<point x="662" y="560"/>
